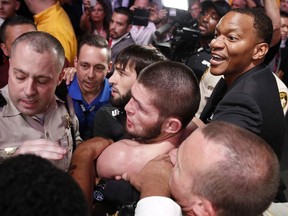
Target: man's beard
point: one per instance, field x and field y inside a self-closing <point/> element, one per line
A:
<point x="121" y="101"/>
<point x="148" y="134"/>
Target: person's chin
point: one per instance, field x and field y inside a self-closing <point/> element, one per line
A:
<point x="28" y="111"/>
<point x="217" y="70"/>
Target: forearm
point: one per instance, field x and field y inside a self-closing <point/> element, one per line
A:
<point x="82" y="167"/>
<point x="272" y="10"/>
<point x="82" y="170"/>
<point x="155" y="188"/>
<point x="251" y="3"/>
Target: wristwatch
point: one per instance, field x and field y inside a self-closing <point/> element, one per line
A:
<point x="99" y="189"/>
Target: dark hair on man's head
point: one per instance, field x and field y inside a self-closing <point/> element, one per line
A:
<point x="138" y="57"/>
<point x="174" y="89"/>
<point x="32" y="186"/>
<point x="42" y="42"/>
<point x="262" y="23"/>
<point x="245" y="181"/>
<point x="125" y="11"/>
<point x="94" y="41"/>
<point x="14" y="21"/>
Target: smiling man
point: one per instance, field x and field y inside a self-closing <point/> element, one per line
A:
<point x="248" y="94"/>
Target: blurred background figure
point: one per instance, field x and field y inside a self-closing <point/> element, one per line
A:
<point x="284" y="5"/>
<point x="8" y="9"/>
<point x="195" y="10"/>
<point x="12" y="28"/>
<point x="50" y="17"/>
<point x="96" y="18"/>
<point x="243" y="3"/>
<point x="142" y="34"/>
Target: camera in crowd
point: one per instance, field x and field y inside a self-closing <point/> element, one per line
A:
<point x="184" y="34"/>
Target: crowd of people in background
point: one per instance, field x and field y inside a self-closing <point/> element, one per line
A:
<point x="143" y="109"/>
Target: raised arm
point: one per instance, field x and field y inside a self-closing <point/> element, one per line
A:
<point x="272" y="10"/>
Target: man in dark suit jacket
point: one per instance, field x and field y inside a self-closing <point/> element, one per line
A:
<point x="120" y="25"/>
<point x="248" y="95"/>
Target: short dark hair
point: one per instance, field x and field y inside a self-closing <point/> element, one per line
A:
<point x="138" y="57"/>
<point x="42" y="42"/>
<point x="95" y="41"/>
<point x="125" y="11"/>
<point x="14" y="21"/>
<point x="31" y="185"/>
<point x="262" y="23"/>
<point x="246" y="180"/>
<point x="174" y="89"/>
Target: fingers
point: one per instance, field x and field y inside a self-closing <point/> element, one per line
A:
<point x="126" y="177"/>
<point x="69" y="74"/>
<point x="43" y="148"/>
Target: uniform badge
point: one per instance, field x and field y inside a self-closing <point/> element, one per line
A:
<point x="283" y="98"/>
<point x="68" y="121"/>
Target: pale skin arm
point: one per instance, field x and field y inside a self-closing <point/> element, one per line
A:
<point x="85" y="24"/>
<point x="153" y="180"/>
<point x="272" y="10"/>
<point x="44" y="148"/>
<point x="251" y="3"/>
<point x="82" y="167"/>
<point x="69" y="74"/>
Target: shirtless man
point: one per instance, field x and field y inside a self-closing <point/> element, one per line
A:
<point x="164" y="99"/>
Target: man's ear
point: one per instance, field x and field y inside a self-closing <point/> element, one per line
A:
<point x="260" y="51"/>
<point x="4" y="49"/>
<point x="17" y="5"/>
<point x="75" y="61"/>
<point x="110" y="66"/>
<point x="172" y="125"/>
<point x="203" y="207"/>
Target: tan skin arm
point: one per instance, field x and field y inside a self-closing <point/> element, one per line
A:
<point x="193" y="125"/>
<point x="273" y="12"/>
<point x="251" y="3"/>
<point x="82" y="167"/>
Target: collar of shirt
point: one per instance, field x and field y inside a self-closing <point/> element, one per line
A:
<point x="115" y="41"/>
<point x="75" y="92"/>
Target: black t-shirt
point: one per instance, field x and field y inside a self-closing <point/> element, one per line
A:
<point x="109" y="122"/>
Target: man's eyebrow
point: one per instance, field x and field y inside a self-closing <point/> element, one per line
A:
<point x="18" y="70"/>
<point x="137" y="101"/>
<point x="23" y="72"/>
